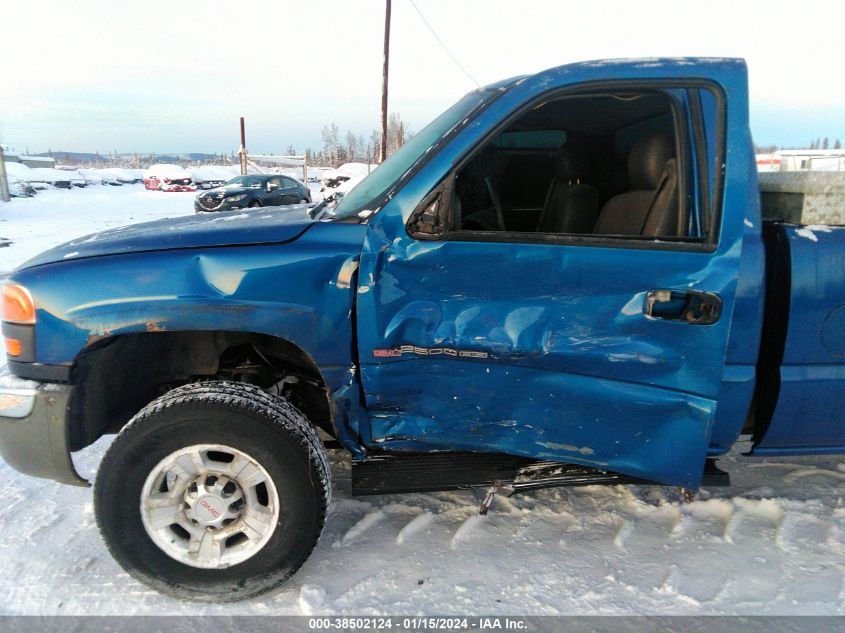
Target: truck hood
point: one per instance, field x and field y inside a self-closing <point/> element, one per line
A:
<point x="265" y="225"/>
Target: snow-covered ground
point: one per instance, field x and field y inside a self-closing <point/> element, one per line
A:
<point x="774" y="543"/>
<point x="55" y="216"/>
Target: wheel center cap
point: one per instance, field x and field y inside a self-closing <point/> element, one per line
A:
<point x="209" y="508"/>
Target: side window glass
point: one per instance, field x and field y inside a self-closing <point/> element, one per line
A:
<point x="596" y="165"/>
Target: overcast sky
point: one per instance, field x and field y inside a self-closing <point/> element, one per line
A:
<point x="174" y="76"/>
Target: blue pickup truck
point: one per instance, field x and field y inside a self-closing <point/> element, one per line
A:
<point x="564" y="279"/>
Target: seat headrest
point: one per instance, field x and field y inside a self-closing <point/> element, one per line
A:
<point x="647" y="160"/>
<point x="571" y="164"/>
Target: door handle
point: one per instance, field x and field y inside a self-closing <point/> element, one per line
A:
<point x="690" y="306"/>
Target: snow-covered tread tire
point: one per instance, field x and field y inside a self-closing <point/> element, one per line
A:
<point x="241" y="416"/>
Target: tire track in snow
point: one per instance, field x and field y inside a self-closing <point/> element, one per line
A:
<point x="419" y="523"/>
<point x="370" y="520"/>
<point x="466" y="529"/>
<point x="757" y="573"/>
<point x="705" y="519"/>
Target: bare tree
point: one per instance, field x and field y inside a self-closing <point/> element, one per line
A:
<point x="351" y="146"/>
<point x="330" y="143"/>
<point x="397" y="132"/>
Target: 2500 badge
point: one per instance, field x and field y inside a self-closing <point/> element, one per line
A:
<point x="413" y="350"/>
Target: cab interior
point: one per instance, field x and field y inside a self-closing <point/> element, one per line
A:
<point x="589" y="164"/>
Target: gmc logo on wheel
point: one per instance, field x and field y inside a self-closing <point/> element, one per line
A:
<point x="210" y="510"/>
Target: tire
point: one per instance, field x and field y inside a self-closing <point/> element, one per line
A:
<point x="254" y="204"/>
<point x="267" y="438"/>
<point x="304" y="201"/>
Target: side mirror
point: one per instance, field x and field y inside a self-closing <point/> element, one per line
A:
<point x="427" y="222"/>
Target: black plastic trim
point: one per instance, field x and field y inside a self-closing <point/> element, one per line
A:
<point x="775" y="327"/>
<point x="599" y="241"/>
<point x="392" y="473"/>
<point x="37" y="371"/>
<point x="26" y="335"/>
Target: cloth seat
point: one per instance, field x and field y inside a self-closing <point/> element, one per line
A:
<point x="650" y="208"/>
<point x="571" y="205"/>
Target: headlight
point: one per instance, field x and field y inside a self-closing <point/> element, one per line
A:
<point x="235" y="198"/>
<point x="18" y="306"/>
<point x="18" y="309"/>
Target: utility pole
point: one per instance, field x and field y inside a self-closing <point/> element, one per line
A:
<point x="242" y="151"/>
<point x="4" y="183"/>
<point x="383" y="153"/>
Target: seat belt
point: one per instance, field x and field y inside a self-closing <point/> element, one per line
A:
<point x="497" y="203"/>
<point x="663" y="179"/>
<point x="545" y="210"/>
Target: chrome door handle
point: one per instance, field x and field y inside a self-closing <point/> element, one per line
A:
<point x="688" y="306"/>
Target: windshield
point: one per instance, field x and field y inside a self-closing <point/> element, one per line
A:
<point x="382" y="178"/>
<point x="244" y="181"/>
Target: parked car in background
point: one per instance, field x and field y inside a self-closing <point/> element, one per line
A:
<point x="167" y="177"/>
<point x="99" y="177"/>
<point x="19" y="189"/>
<point x="125" y="176"/>
<point x="26" y="176"/>
<point x="331" y="180"/>
<point x="76" y="179"/>
<point x="253" y="191"/>
<point x="54" y="177"/>
<point x="343" y="179"/>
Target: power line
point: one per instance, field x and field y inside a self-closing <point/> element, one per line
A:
<point x="452" y="57"/>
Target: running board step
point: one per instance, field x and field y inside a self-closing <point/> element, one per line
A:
<point x="430" y="472"/>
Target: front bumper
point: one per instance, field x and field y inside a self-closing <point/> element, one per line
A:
<point x="223" y="205"/>
<point x="33" y="429"/>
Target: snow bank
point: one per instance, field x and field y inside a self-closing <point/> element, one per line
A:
<point x="21" y="173"/>
<point x="55" y="216"/>
<point x="343" y="179"/>
<point x="358" y="169"/>
<point x="123" y="175"/>
<point x="50" y="175"/>
<point x="165" y="170"/>
<point x="97" y="176"/>
<point x="212" y="173"/>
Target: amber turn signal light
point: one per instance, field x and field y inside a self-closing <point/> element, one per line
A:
<point x="13" y="346"/>
<point x="17" y="305"/>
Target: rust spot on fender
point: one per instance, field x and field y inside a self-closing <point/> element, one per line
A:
<point x="94" y="338"/>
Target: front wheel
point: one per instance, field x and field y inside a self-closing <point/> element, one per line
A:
<point x="217" y="491"/>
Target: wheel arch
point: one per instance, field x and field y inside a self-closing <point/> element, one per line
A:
<point x="117" y="376"/>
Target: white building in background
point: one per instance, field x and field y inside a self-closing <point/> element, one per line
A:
<point x="37" y="162"/>
<point x="802" y="160"/>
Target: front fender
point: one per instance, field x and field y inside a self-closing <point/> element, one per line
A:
<point x="302" y="292"/>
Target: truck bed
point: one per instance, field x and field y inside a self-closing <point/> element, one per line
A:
<point x="801" y="372"/>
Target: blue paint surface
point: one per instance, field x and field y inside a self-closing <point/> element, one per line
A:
<point x="576" y="372"/>
<point x="272" y="224"/>
<point x="809" y="413"/>
<point x="532" y="349"/>
<point x="302" y="292"/>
